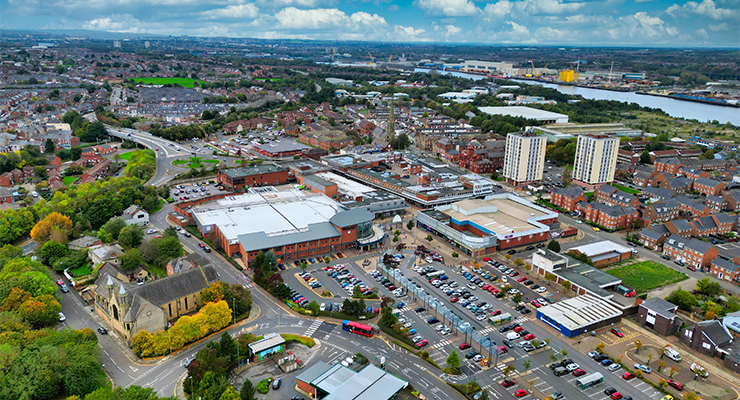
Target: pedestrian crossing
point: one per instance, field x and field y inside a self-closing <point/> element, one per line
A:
<point x="404" y="309"/>
<point x="441" y="344"/>
<point x="314" y="326"/>
<point x="518" y="320"/>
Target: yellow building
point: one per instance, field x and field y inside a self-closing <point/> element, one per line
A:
<point x="128" y="308"/>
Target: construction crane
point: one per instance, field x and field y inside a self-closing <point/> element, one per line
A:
<point x="333" y="54"/>
<point x="390" y="57"/>
<point x="533" y="72"/>
<point x="372" y="58"/>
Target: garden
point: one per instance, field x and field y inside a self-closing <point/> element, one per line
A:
<point x="647" y="275"/>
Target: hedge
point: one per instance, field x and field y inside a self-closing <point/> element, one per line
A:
<point x="264" y="385"/>
<point x="305" y="340"/>
<point x="467" y="390"/>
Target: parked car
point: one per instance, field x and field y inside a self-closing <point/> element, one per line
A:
<point x="508" y="383"/>
<point x="643" y="368"/>
<point x="617" y="332"/>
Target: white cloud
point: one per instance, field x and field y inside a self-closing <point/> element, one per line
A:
<point x="286" y="3"/>
<point x="293" y="18"/>
<point x="497" y="10"/>
<point x="643" y="1"/>
<point x="702" y="33"/>
<point x="528" y="8"/>
<point x="706" y="8"/>
<point x="363" y="18"/>
<point x="452" y="30"/>
<point x="393" y="7"/>
<point x="719" y="27"/>
<point x="641" y="25"/>
<point x="116" y="23"/>
<point x="449" y="8"/>
<point x="247" y="11"/>
<point x="518" y="29"/>
<point x="408" y="32"/>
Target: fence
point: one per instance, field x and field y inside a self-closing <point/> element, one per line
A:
<point x="484" y="345"/>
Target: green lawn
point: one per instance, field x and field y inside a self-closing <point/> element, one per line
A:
<point x="126" y="156"/>
<point x="82" y="271"/>
<point x="211" y="161"/>
<point x="68" y="180"/>
<point x="195" y="162"/>
<point x="625" y="189"/>
<point x="180" y="162"/>
<point x="184" y="82"/>
<point x="647" y="275"/>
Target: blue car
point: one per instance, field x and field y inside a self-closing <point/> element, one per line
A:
<point x="400" y="305"/>
<point x="444" y="278"/>
<point x="412" y="331"/>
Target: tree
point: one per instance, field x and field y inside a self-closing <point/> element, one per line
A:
<point x="429" y="238"/>
<point x="314" y="307"/>
<point x="645" y="157"/>
<point x="662" y="384"/>
<point x="711" y="309"/>
<point x="638" y="346"/>
<point x="510" y="369"/>
<point x="453" y="360"/>
<point x="227" y="347"/>
<point x="455" y="255"/>
<point x="600" y="347"/>
<point x="554" y="246"/>
<point x="564" y="352"/>
<point x="42" y="230"/>
<point x="567" y="176"/>
<point x="650" y="358"/>
<point x="247" y="392"/>
<point x="708" y="288"/>
<point x="661" y="365"/>
<point x="114" y="227"/>
<point x="691" y="396"/>
<point x="708" y="155"/>
<point x="567" y="285"/>
<point x="131" y="236"/>
<point x="527" y="364"/>
<point x="410" y="225"/>
<point x="672" y="371"/>
<point x="683" y="299"/>
<point x="51" y="251"/>
<point x="170" y="232"/>
<point x="517" y="298"/>
<point x="131" y="259"/>
<point x="93" y="132"/>
<point x="49" y="146"/>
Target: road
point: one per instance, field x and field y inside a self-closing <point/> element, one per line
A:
<point x="267" y="316"/>
<point x="168" y="151"/>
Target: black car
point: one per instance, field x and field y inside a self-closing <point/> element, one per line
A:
<point x="420" y="309"/>
<point x="600" y="357"/>
<point x="503" y="329"/>
<point x="540" y="245"/>
<point x="526" y="311"/>
<point x="520" y="307"/>
<point x="511" y="252"/>
<point x="609" y="391"/>
<point x="102" y="330"/>
<point x="529" y="248"/>
<point x="528" y="282"/>
<point x="432" y="321"/>
<point x="471" y="354"/>
<point x="535" y="287"/>
<point x="523" y="333"/>
<point x="186" y="234"/>
<point x="555" y="365"/>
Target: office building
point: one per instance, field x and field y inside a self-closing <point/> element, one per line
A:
<point x="596" y="160"/>
<point x="525" y="158"/>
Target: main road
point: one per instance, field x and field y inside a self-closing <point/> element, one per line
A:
<point x="166" y="151"/>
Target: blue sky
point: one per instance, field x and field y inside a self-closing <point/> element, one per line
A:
<point x="578" y="22"/>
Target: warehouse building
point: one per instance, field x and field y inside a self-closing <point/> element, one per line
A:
<point x="482" y="226"/>
<point x="605" y="252"/>
<point x="337" y="382"/>
<point x="237" y="179"/>
<point x="579" y="315"/>
<point x="527" y="113"/>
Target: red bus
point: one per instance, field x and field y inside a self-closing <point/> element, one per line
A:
<point x="357" y="328"/>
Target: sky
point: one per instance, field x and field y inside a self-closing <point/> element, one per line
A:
<point x="642" y="23"/>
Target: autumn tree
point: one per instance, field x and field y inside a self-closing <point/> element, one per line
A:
<point x="42" y="230"/>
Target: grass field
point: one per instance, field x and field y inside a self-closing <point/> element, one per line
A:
<point x="68" y="180"/>
<point x="184" y="82"/>
<point x="647" y="275"/>
<point x="195" y="162"/>
<point x="126" y="156"/>
<point x="82" y="271"/>
<point x="625" y="189"/>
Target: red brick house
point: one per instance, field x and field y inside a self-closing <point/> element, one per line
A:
<point x="725" y="269"/>
<point x="366" y="128"/>
<point x="670" y="165"/>
<point x="663" y="211"/>
<point x="652" y="237"/>
<point x="681" y="227"/>
<point x="717" y="203"/>
<point x="733" y="201"/>
<point x="693" y="173"/>
<point x="692" y="252"/>
<point x="610" y="217"/>
<point x="610" y="195"/>
<point x="6" y="180"/>
<point x="709" y="187"/>
<point x="567" y="198"/>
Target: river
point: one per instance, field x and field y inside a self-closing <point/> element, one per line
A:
<point x="673" y="107"/>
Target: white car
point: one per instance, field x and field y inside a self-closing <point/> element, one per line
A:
<point x="323" y="307"/>
<point x="504" y="279"/>
<point x="481" y="317"/>
<point x="62" y="318"/>
<point x="614" y="367"/>
<point x="513" y="291"/>
<point x="572" y="367"/>
<point x="402" y="320"/>
<point x="541" y="289"/>
<point x="416" y="339"/>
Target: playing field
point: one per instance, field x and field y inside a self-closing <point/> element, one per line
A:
<point x="647" y="275"/>
<point x="184" y="82"/>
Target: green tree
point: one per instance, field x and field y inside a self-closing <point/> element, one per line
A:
<point x="410" y="225"/>
<point x="227" y="347"/>
<point x="517" y="298"/>
<point x="554" y="246"/>
<point x="683" y="299"/>
<point x="357" y="292"/>
<point x="314" y="307"/>
<point x="49" y="146"/>
<point x="93" y="132"/>
<point x="51" y="251"/>
<point x="567" y="176"/>
<point x="453" y="360"/>
<point x="527" y="364"/>
<point x="645" y="157"/>
<point x="429" y="238"/>
<point x="131" y="259"/>
<point x="711" y="309"/>
<point x="114" y="227"/>
<point x="131" y="236"/>
<point x="638" y="346"/>
<point x="170" y="231"/>
<point x="708" y="288"/>
<point x="247" y="392"/>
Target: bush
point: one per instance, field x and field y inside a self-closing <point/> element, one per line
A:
<point x="305" y="340"/>
<point x="264" y="385"/>
<point x="468" y="389"/>
<point x="361" y="358"/>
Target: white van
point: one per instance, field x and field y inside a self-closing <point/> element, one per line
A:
<point x="512" y="336"/>
<point x="672" y="354"/>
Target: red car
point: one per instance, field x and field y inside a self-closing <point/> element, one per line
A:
<point x="464" y="346"/>
<point x="158" y="237"/>
<point x="60" y="282"/>
<point x="675" y="384"/>
<point x="522" y="279"/>
<point x="494" y="290"/>
<point x="422" y="343"/>
<point x="617" y="332"/>
<point x="508" y="382"/>
<point x="486" y="287"/>
<point x="520" y="393"/>
<point x="616" y="396"/>
<point x="201" y="245"/>
<point x="535" y="304"/>
<point x="579" y="372"/>
<point x="513" y="274"/>
<point x="528" y="336"/>
<point x="496" y="312"/>
<point x="454" y="299"/>
<point x="502" y="350"/>
<point x="691" y="268"/>
<point x="627" y="376"/>
<point x="487" y="259"/>
<point x="518" y="329"/>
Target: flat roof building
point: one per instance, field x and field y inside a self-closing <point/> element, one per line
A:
<point x="579" y="315"/>
<point x="260" y="175"/>
<point x="527" y="112"/>
<point x="292" y="224"/>
<point x="524" y="160"/>
<point x="270" y="345"/>
<point x="605" y="252"/>
<point x="481" y="226"/>
<point x="596" y="160"/>
<point x="337" y="382"/>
